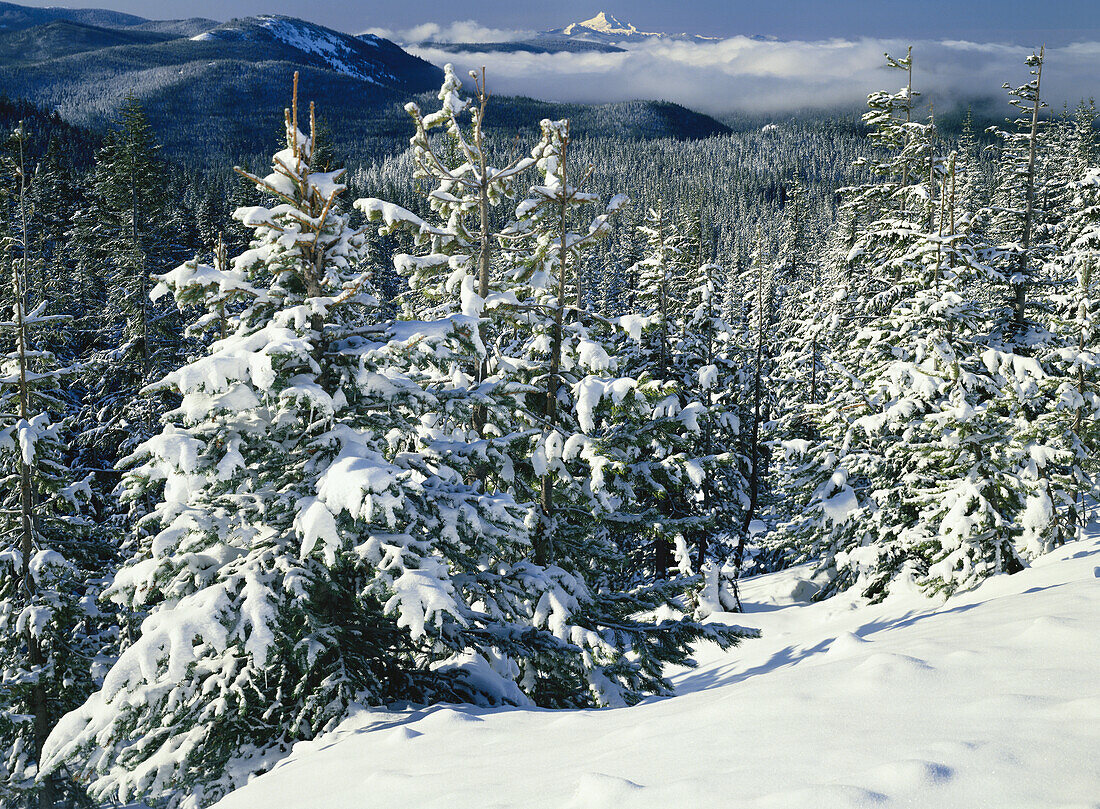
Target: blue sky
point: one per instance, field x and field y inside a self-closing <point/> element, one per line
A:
<point x="1022" y="21"/>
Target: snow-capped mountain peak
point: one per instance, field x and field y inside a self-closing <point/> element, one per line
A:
<point x="605" y="23"/>
<point x="607" y="28"/>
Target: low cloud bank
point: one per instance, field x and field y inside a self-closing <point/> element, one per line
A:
<point x="742" y="74"/>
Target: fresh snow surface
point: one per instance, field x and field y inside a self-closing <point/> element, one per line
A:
<point x="991" y="699"/>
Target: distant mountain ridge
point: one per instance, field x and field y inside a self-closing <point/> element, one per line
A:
<point x="603" y="32"/>
<point x="220" y="89"/>
<point x="543" y="43"/>
<point x="217" y="90"/>
<point x="61" y="37"/>
<point x="367" y="57"/>
<point x="14" y="17"/>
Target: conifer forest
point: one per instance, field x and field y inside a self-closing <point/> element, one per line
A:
<point x="315" y="436"/>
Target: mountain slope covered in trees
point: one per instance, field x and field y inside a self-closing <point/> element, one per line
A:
<point x="193" y="87"/>
<point x="509" y="422"/>
<point x="15" y="17"/>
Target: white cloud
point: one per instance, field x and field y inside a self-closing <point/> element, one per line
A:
<point x="745" y="74"/>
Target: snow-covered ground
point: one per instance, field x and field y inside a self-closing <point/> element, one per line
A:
<point x="991" y="699"/>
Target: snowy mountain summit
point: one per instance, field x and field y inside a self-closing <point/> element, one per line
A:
<point x="604" y="23"/>
<point x="368" y="58"/>
<point x="607" y="28"/>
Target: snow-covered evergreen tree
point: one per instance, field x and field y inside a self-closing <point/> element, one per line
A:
<point x="1064" y="442"/>
<point x="49" y="628"/>
<point x="298" y="561"/>
<point x="522" y="446"/>
<point x="1017" y="219"/>
<point x="604" y="448"/>
<point x="465" y="187"/>
<point x="892" y="369"/>
<point x="667" y="358"/>
<point x="660" y="290"/>
<point x="454" y="273"/>
<point x="317" y="542"/>
<point x="121" y="239"/>
<point x="708" y="358"/>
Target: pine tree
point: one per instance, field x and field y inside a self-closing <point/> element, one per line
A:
<point x="455" y="273"/>
<point x="661" y="287"/>
<point x="123" y="237"/>
<point x="804" y="315"/>
<point x="49" y="632"/>
<point x="806" y="342"/>
<point x="51" y="196"/>
<point x="543" y="253"/>
<point x="973" y="182"/>
<point x="466" y="187"/>
<point x="660" y="358"/>
<point x="1017" y="216"/>
<point x="844" y="469"/>
<point x="318" y="542"/>
<point x="1063" y="441"/>
<point x="296" y="563"/>
<point x="708" y="358"/>
<point x="759" y="321"/>
<point x="951" y="518"/>
<point x="604" y="454"/>
<point x="1065" y="153"/>
<point x="540" y="335"/>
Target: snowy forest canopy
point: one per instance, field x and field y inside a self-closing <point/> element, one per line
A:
<point x="503" y="423"/>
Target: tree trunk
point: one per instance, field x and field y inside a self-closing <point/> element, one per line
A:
<point x="708" y="449"/>
<point x="479" y="415"/>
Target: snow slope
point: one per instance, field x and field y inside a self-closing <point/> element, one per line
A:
<point x="989" y="700"/>
<point x="368" y="58"/>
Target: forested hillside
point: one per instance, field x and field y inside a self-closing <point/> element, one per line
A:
<point x="498" y="419"/>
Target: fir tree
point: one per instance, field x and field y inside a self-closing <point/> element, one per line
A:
<point x="317" y="541"/>
<point x="709" y="364"/>
<point x="846" y="467"/>
<point x="1017" y="215"/>
<point x="123" y="238"/>
<point x="48" y="554"/>
<point x="586" y="471"/>
<point x="1064" y="442"/>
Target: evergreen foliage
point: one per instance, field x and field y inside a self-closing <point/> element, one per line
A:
<point x="51" y="556"/>
<point x="317" y="542"/>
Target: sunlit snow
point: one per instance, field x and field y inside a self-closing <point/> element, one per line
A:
<point x="988" y="700"/>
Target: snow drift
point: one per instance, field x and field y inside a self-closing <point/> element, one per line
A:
<point x="990" y="699"/>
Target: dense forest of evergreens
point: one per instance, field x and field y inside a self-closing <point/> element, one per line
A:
<point x="500" y="422"/>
